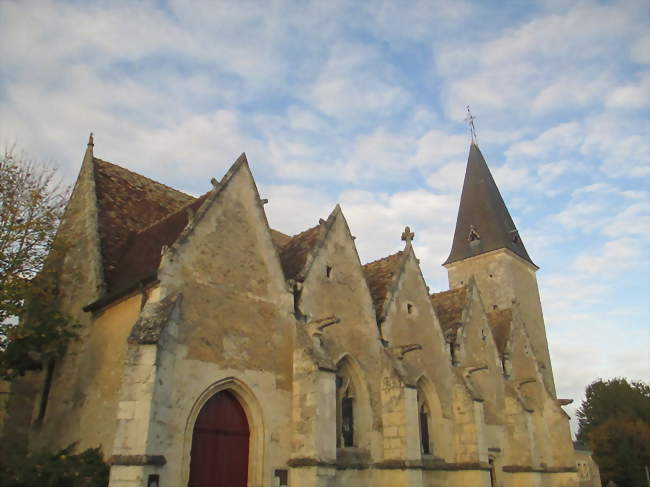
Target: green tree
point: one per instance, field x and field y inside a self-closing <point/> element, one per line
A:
<point x="32" y="202"/>
<point x="60" y="469"/>
<point x="614" y="421"/>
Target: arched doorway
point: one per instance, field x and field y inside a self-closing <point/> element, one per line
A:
<point x="219" y="455"/>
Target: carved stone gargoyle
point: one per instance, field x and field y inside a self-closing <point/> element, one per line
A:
<point x="399" y="351"/>
<point x="315" y="327"/>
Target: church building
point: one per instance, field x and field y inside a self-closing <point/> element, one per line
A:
<point x="215" y="351"/>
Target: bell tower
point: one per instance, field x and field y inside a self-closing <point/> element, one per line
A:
<point x="487" y="246"/>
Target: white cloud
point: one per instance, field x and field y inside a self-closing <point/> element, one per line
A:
<point x="553" y="59"/>
<point x="436" y="148"/>
<point x="378" y="219"/>
<point x="606" y="209"/>
<point x="620" y="254"/>
<point x="338" y="96"/>
<point x="609" y="351"/>
<point x="420" y="21"/>
<point x="448" y="177"/>
<point x="562" y="138"/>
<point x="381" y="153"/>
<point x="640" y="51"/>
<point x="284" y="200"/>
<point x="620" y="143"/>
<point x="355" y="82"/>
<point x="572" y="89"/>
<point x="302" y="119"/>
<point x="631" y="95"/>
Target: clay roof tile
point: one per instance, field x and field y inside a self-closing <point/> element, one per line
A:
<point x="449" y="306"/>
<point x="144" y="250"/>
<point x="294" y="252"/>
<point x="127" y="203"/>
<point x="501" y="323"/>
<point x="379" y="276"/>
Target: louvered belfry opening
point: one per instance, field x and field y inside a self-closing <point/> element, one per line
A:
<point x="219" y="456"/>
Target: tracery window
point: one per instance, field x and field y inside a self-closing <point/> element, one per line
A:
<point x="345" y="406"/>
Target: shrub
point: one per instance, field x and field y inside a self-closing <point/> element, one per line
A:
<point x="62" y="469"/>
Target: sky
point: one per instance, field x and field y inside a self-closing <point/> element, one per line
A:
<point x="363" y="104"/>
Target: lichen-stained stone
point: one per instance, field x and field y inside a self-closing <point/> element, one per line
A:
<point x="182" y="299"/>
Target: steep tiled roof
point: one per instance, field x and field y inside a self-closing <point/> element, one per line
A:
<point x="144" y="249"/>
<point x="294" y="253"/>
<point x="379" y="276"/>
<point x="279" y="238"/>
<point x="449" y="307"/>
<point x="127" y="203"/>
<point x="500" y="322"/>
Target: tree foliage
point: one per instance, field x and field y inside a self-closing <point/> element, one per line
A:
<point x="614" y="421"/>
<point x="32" y="202"/>
<point x="61" y="469"/>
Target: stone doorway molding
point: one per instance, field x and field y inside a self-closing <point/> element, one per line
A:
<point x="254" y="415"/>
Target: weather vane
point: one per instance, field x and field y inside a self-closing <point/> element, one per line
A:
<point x="470" y="120"/>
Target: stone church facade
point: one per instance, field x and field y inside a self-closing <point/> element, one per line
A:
<point x="216" y="351"/>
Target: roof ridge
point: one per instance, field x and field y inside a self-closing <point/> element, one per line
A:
<point x="97" y="159"/>
<point x="456" y="289"/>
<point x="304" y="231"/>
<point x="294" y="253"/>
<point x="182" y="208"/>
<point x="396" y="254"/>
<point x="380" y="276"/>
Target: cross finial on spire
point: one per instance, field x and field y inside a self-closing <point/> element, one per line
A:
<point x="408" y="235"/>
<point x="470" y="121"/>
<point x="91" y="141"/>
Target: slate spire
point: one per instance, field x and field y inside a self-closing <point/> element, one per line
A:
<point x="483" y="223"/>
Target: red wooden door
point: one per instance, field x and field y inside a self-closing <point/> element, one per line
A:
<point x="219" y="456"/>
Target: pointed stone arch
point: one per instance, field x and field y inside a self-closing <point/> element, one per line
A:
<point x="254" y="415"/>
<point x="438" y="428"/>
<point x="352" y="394"/>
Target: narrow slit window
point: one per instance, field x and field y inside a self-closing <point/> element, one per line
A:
<point x="347" y="413"/>
<point x="328" y="271"/>
<point x="452" y="353"/>
<point x="47" y="385"/>
<point x="344" y="412"/>
<point x="505" y="365"/>
<point x="409" y="308"/>
<point x="424" y="431"/>
<point x="424" y="423"/>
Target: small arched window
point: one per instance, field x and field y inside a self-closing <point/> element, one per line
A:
<point x="344" y="410"/>
<point x="424" y="417"/>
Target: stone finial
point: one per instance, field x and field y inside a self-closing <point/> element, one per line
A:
<point x="408" y="235"/>
<point x="214" y="182"/>
<point x="91" y="140"/>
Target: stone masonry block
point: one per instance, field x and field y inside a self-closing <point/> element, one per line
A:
<point x="126" y="409"/>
